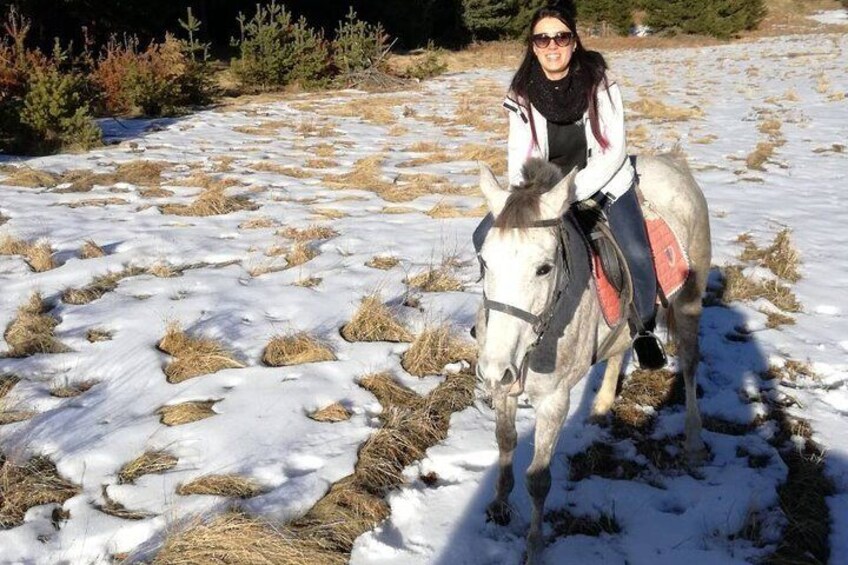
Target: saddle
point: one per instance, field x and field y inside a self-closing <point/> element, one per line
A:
<point x="671" y="264"/>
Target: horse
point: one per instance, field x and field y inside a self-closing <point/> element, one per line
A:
<point x="525" y="257"/>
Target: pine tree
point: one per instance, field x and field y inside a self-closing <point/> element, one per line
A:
<point x="719" y="18"/>
<point x="617" y="14"/>
<point x="488" y="19"/>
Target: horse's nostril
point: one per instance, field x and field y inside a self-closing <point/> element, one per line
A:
<point x="508" y="377"/>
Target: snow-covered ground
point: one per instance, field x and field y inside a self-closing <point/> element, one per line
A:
<point x="261" y="429"/>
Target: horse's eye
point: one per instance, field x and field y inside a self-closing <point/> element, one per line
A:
<point x="544" y="270"/>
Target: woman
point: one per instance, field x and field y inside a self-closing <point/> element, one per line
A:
<point x="563" y="108"/>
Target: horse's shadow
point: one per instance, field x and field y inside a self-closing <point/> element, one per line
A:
<point x="736" y="507"/>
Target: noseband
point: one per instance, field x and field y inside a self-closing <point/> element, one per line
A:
<point x="541" y="321"/>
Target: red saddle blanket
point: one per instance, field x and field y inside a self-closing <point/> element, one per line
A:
<point x="670" y="262"/>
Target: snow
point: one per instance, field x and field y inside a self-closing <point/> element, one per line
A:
<point x="260" y="428"/>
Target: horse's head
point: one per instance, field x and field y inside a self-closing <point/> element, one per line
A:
<point x="520" y="255"/>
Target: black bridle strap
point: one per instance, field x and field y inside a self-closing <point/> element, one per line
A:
<point x="531" y="319"/>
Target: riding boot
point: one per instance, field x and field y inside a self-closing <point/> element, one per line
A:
<point x="628" y="226"/>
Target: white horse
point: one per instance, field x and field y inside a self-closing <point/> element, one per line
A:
<point x="525" y="258"/>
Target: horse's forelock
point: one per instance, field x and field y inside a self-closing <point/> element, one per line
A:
<point x="522" y="205"/>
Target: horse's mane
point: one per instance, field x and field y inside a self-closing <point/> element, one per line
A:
<point x="522" y="205"/>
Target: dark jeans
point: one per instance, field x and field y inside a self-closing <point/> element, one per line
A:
<point x="628" y="226"/>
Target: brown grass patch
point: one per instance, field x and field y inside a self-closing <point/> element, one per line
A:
<point x="760" y="155"/>
<point x="118" y="510"/>
<point x="658" y="111"/>
<point x="258" y="223"/>
<point x="15" y="416"/>
<point x="738" y="287"/>
<point x="221" y="485"/>
<point x="310" y="233"/>
<point x="10" y="245"/>
<point x="269" y="128"/>
<point x="434" y="348"/>
<point x="335" y="412"/>
<point x="71" y="389"/>
<point x="296" y="349"/>
<point x="31" y="331"/>
<point x="257" y="269"/>
<point x="212" y="201"/>
<point x="308" y="282"/>
<point x="98" y="202"/>
<point x="399" y="210"/>
<point x="186" y="412"/>
<point x="236" y="538"/>
<point x="99" y="286"/>
<point x="38" y="255"/>
<point x="775" y="320"/>
<point x="324" y="150"/>
<point x="35" y="483"/>
<point x="141" y="172"/>
<point x="7" y="383"/>
<point x="382" y="262"/>
<point x="299" y="254"/>
<point x="378" y="110"/>
<point x="329" y="213"/>
<point x="320" y="163"/>
<point x="374" y="321"/>
<point x="149" y="463"/>
<point x="390" y="392"/>
<point x="438" y="279"/>
<point x="95" y="335"/>
<point x="781" y="257"/>
<point x="193" y="356"/>
<point x="155" y="192"/>
<point x="90" y="250"/>
<point x="31" y="178"/>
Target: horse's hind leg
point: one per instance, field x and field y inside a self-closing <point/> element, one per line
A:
<point x="505" y="406"/>
<point x="686" y="311"/>
<point x="550" y="415"/>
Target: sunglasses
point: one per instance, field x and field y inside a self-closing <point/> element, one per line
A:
<point x="562" y="39"/>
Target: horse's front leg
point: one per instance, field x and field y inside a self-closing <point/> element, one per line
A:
<point x="606" y="394"/>
<point x="550" y="415"/>
<point x="505" y="406"/>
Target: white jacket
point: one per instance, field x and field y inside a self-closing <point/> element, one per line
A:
<point x="608" y="170"/>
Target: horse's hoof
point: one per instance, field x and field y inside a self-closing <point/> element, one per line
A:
<point x="499" y="512"/>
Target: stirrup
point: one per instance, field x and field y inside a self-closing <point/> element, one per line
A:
<point x="649" y="351"/>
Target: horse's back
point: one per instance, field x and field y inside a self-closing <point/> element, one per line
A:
<point x="668" y="186"/>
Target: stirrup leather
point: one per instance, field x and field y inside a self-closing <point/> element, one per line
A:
<point x="649" y="351"/>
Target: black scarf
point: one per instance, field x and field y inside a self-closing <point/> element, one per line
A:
<point x="561" y="101"/>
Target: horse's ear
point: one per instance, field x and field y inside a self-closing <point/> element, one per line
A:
<point x="560" y="197"/>
<point x="492" y="191"/>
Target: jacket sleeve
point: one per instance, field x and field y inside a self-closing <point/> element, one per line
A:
<point x="602" y="166"/>
<point x="518" y="142"/>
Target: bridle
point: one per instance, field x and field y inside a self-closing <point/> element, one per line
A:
<point x="539" y="322"/>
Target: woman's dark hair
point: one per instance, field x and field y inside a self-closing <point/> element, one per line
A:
<point x="590" y="62"/>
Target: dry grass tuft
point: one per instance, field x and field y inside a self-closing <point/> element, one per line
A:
<point x="658" y="111"/>
<point x="193" y="356"/>
<point x="374" y="321"/>
<point x="31" y="178"/>
<point x="258" y="223"/>
<point x="71" y="389"/>
<point x="308" y="282"/>
<point x="141" y="172"/>
<point x="760" y="155"/>
<point x="775" y="320"/>
<point x="186" y="412"/>
<point x="781" y="257"/>
<point x="296" y="349"/>
<point x="435" y="280"/>
<point x="39" y="255"/>
<point x="382" y="262"/>
<point x="212" y="201"/>
<point x="90" y="250"/>
<point x="149" y="463"/>
<point x="221" y="485"/>
<point x="335" y="412"/>
<point x="311" y="233"/>
<point x="32" y="484"/>
<point x="390" y="392"/>
<point x="434" y="348"/>
<point x="155" y="192"/>
<point x="99" y="286"/>
<point x="379" y="110"/>
<point x="738" y="287"/>
<point x="95" y="335"/>
<point x="31" y="331"/>
<point x="7" y="383"/>
<point x="329" y="213"/>
<point x="118" y="510"/>
<point x="299" y="254"/>
<point x="236" y="538"/>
